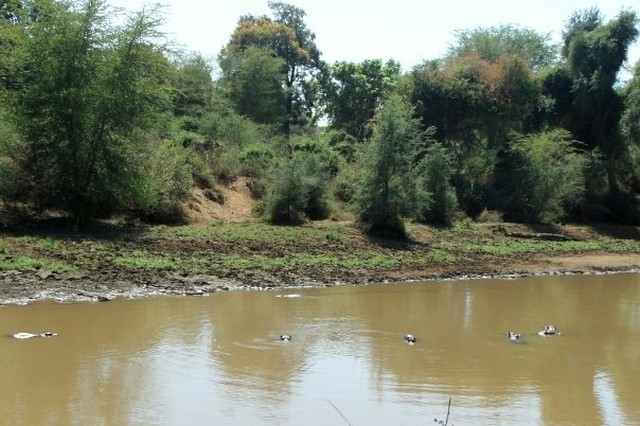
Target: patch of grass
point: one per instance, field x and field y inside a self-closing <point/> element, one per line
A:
<point x="26" y="262"/>
<point x="248" y="231"/>
<point x="47" y="243"/>
<point x="334" y="233"/>
<point x="143" y="260"/>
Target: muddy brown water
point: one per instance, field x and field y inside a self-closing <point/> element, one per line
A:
<point x="219" y="360"/>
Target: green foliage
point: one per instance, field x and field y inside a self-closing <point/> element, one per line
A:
<point x="328" y="160"/>
<point x="355" y="91"/>
<point x="287" y="37"/>
<point x="256" y="159"/>
<point x="345" y="184"/>
<point x="287" y="196"/>
<point x="544" y="177"/>
<point x="90" y="94"/>
<point x="595" y="53"/>
<point x="473" y="178"/>
<point x="469" y="98"/>
<point x="434" y="172"/>
<point x="11" y="148"/>
<point x="252" y="79"/>
<point x="387" y="191"/>
<point x="223" y="126"/>
<point x="193" y="86"/>
<point x="491" y="43"/>
<point x="167" y="180"/>
<point x="298" y="190"/>
<point x="630" y="121"/>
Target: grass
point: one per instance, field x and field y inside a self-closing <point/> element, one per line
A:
<point x="140" y="259"/>
<point x="22" y="263"/>
<point x="241" y="232"/>
<point x="304" y="250"/>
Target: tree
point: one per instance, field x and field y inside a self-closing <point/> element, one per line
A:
<point x="387" y="192"/>
<point x="193" y="86"/>
<point x="595" y="53"/>
<point x="355" y="91"/>
<point x="491" y="43"/>
<point x="252" y="79"/>
<point x="434" y="173"/>
<point x="288" y="38"/>
<point x="630" y="121"/>
<point x="91" y="95"/>
<point x="630" y="128"/>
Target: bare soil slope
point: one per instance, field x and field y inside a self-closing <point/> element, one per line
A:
<point x="232" y="202"/>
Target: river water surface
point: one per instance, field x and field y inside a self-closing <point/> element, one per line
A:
<point x="218" y="360"/>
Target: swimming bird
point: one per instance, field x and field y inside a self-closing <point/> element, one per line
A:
<point x="549" y="330"/>
<point x="514" y="336"/>
<point x="410" y="338"/>
<point x="25" y="335"/>
<point x="285" y="337"/>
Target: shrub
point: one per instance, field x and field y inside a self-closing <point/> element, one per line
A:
<point x="298" y="190"/>
<point x="437" y="197"/>
<point x="543" y="177"/>
<point x="256" y="159"/>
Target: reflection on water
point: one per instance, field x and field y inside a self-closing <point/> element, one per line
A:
<point x="219" y="359"/>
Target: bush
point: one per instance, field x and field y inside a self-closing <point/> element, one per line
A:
<point x="298" y="190"/>
<point x="543" y="177"/>
<point x="438" y="203"/>
<point x="165" y="179"/>
<point x="345" y="184"/>
<point x="286" y="197"/>
<point x="256" y="159"/>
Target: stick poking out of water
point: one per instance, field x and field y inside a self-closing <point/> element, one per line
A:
<point x="339" y="412"/>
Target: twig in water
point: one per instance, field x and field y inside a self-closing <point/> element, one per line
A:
<point x="339" y="412"/>
<point x="446" y="421"/>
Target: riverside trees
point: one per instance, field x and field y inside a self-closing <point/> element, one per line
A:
<point x="87" y="98"/>
<point x="99" y="117"/>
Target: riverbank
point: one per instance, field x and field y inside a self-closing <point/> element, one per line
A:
<point x="106" y="261"/>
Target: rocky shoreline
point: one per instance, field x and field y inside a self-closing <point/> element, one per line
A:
<point x="28" y="286"/>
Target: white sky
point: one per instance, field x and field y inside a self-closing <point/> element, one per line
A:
<point x="409" y="31"/>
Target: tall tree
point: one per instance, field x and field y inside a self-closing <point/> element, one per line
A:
<point x="355" y="91"/>
<point x="90" y="93"/>
<point x="252" y="79"/>
<point x="595" y="53"/>
<point x="193" y="85"/>
<point x="287" y="37"/>
<point x="387" y="192"/>
<point x="491" y="43"/>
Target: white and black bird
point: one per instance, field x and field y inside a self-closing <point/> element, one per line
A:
<point x="409" y="338"/>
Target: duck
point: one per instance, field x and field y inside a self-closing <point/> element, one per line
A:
<point x="285" y="337"/>
<point x="514" y="336"/>
<point x="409" y="338"/>
<point x="25" y="335"/>
<point x="549" y="330"/>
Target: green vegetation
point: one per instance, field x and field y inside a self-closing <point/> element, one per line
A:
<point x="99" y="117"/>
<point x="325" y="252"/>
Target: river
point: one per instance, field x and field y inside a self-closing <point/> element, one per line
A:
<point x="219" y="359"/>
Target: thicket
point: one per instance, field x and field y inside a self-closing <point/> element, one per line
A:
<point x="98" y="115"/>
